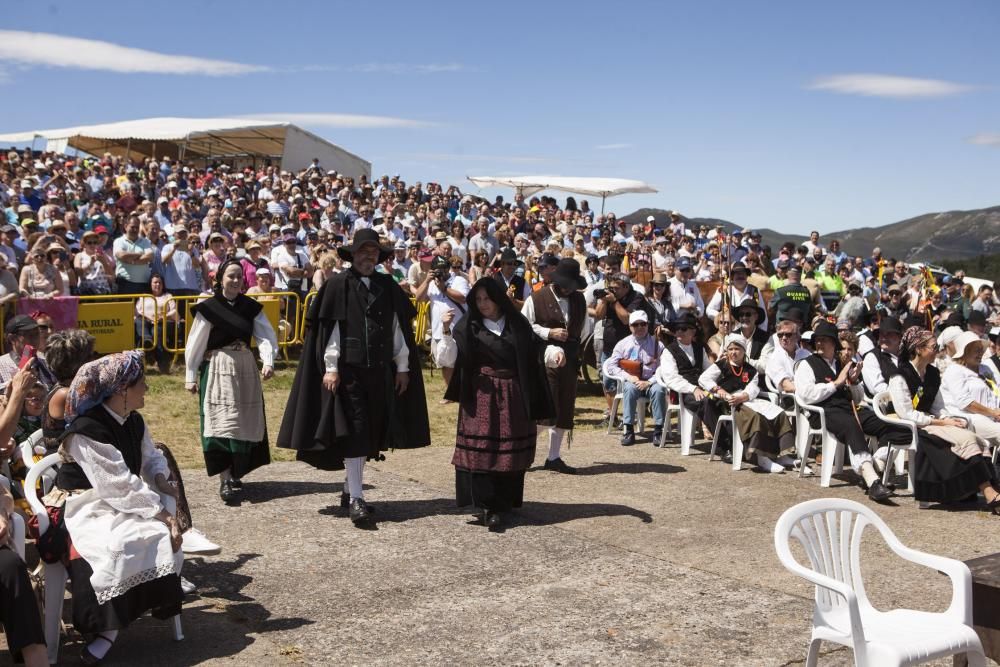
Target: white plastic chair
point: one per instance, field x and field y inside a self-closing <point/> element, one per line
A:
<point x="640" y="409"/>
<point x="687" y="423"/>
<point x="778" y="398"/>
<point x="832" y="449"/>
<point x="55" y="573"/>
<point x="878" y="406"/>
<point x="737" y="442"/>
<point x="830" y="531"/>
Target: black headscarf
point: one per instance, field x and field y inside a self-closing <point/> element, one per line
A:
<point x="221" y="271"/>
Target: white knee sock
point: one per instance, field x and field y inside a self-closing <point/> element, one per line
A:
<point x="100" y="646"/>
<point x="355" y="471"/>
<point x="226" y="474"/>
<point x="869" y="474"/>
<point x="555" y="442"/>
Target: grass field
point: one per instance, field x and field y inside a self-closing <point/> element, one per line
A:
<point x="172" y="413"/>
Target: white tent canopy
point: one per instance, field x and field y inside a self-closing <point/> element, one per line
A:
<point x="232" y="139"/>
<point x="594" y="186"/>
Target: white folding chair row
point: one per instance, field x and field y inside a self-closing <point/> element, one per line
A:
<point x="616" y="401"/>
<point x="830" y="531"/>
<point x="878" y="406"/>
<point x="687" y="423"/>
<point x="55" y="573"/>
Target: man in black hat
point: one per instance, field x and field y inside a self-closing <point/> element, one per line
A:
<point x="21" y="331"/>
<point x="882" y="362"/>
<point x="683" y="362"/>
<point x="513" y="284"/>
<point x="558" y="314"/>
<point x="740" y="291"/>
<point x="547" y="263"/>
<point x="358" y="389"/>
<point x="821" y="380"/>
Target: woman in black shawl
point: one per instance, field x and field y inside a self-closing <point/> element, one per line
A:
<point x="501" y="389"/>
<point x="222" y="369"/>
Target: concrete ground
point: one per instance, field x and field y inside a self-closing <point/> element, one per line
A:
<point x="645" y="557"/>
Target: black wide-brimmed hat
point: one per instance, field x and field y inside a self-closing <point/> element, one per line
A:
<point x="827" y="330"/>
<point x="751" y="305"/>
<point x="686" y="320"/>
<point x="890" y="325"/>
<point x="361" y="237"/>
<point x="567" y="275"/>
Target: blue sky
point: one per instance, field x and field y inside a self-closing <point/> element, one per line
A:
<point x="788" y="115"/>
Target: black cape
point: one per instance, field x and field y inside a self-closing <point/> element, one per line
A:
<point x="312" y="417"/>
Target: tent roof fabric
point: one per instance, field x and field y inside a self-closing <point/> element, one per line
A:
<point x="596" y="187"/>
<point x="200" y="136"/>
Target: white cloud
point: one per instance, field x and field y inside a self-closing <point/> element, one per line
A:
<point x="341" y="120"/>
<point x="986" y="139"/>
<point x="39" y="48"/>
<point x="884" y="85"/>
<point x="612" y="147"/>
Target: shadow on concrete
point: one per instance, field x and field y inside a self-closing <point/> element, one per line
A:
<point x="638" y="468"/>
<point x="549" y="514"/>
<point x="262" y="492"/>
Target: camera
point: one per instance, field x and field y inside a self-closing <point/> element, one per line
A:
<point x="440" y="274"/>
<point x="600" y="293"/>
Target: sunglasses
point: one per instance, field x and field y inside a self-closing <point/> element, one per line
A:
<point x="685" y="328"/>
<point x="785" y="334"/>
<point x="640" y="324"/>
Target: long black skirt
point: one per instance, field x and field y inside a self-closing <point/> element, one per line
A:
<point x="19" y="613"/>
<point x="493" y="491"/>
<point x="161" y="596"/>
<point x="940" y="476"/>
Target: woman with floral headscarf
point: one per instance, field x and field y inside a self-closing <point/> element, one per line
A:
<point x="120" y="505"/>
<point x="221" y="367"/>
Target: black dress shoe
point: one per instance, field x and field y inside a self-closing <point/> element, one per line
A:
<point x="345" y="499"/>
<point x="494" y="522"/>
<point x="558" y="465"/>
<point x="228" y="494"/>
<point x="878" y="491"/>
<point x="237" y="484"/>
<point x="628" y="438"/>
<point x="361" y="513"/>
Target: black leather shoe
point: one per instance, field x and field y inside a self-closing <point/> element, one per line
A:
<point x="878" y="491"/>
<point x="494" y="522"/>
<point x="558" y="465"/>
<point x="657" y="434"/>
<point x="361" y="513"/>
<point x="345" y="499"/>
<point x="237" y="484"/>
<point x="228" y="494"/>
<point x="628" y="438"/>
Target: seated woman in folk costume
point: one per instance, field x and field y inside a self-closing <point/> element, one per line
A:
<point x="763" y="426"/>
<point x="125" y="552"/>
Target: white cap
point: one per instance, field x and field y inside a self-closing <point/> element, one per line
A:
<point x="948" y="336"/>
<point x="737" y="339"/>
<point x="964" y="339"/>
<point x="162" y="200"/>
<point x="212" y="192"/>
<point x="650" y="218"/>
<point x="638" y="316"/>
<point x="171" y="184"/>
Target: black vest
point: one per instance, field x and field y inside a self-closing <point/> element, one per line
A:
<point x="821" y="370"/>
<point x="230" y="322"/>
<point x="924" y="390"/>
<point x="732" y="382"/>
<point x="366" y="333"/>
<point x="98" y="424"/>
<point x="515" y="280"/>
<point x="885" y="364"/>
<point x="688" y="371"/>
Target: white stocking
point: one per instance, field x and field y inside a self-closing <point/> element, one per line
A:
<point x="355" y="474"/>
<point x="555" y="442"/>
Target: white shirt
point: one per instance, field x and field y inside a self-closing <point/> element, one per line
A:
<point x="781" y="367"/>
<point x="197" y="342"/>
<point x="961" y="386"/>
<point x="902" y="402"/>
<point x="682" y="295"/>
<point x="441" y="304"/>
<point x="812" y="392"/>
<point x="281" y="257"/>
<point x="871" y="374"/>
<point x="670" y="377"/>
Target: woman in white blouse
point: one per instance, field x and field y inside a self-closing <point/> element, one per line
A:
<point x="119" y="507"/>
<point x="764" y="427"/>
<point x="967" y="393"/>
<point x="951" y="463"/>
